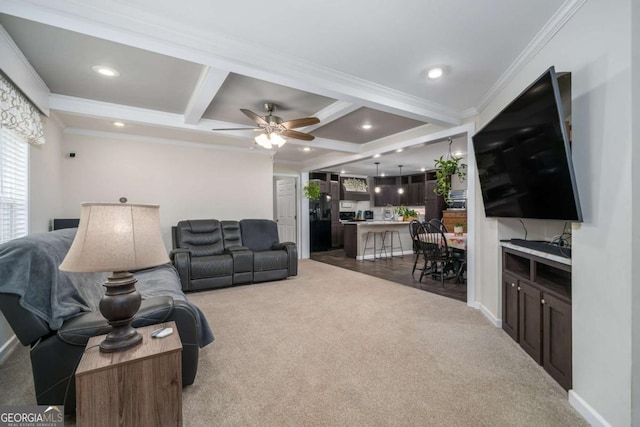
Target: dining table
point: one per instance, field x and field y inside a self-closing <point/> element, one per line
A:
<point x="456" y="241"/>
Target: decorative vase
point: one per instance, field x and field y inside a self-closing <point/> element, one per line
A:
<point x="458" y="230"/>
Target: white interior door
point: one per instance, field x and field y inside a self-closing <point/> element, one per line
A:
<point x="286" y="209"/>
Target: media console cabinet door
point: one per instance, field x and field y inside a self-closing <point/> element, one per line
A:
<point x="141" y="386"/>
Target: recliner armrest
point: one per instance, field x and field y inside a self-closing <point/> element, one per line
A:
<point x="181" y="259"/>
<point x="292" y="253"/>
<point x="78" y="330"/>
<point x="178" y="251"/>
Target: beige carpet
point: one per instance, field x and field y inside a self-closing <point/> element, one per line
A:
<point x="336" y="347"/>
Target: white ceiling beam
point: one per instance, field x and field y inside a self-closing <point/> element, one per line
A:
<point x="208" y="85"/>
<point x="328" y="144"/>
<point x="331" y="113"/>
<point x="144" y="116"/>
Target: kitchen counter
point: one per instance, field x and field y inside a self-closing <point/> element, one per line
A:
<point x="355" y="235"/>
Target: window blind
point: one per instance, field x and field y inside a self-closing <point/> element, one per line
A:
<point x="14" y="185"/>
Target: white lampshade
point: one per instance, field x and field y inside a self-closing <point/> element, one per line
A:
<point x="116" y="237"/>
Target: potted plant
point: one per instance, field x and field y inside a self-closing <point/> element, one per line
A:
<point x="458" y="228"/>
<point x="445" y="168"/>
<point x="312" y="191"/>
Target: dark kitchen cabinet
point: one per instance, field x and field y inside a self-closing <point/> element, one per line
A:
<point x="434" y="204"/>
<point x="388" y="194"/>
<point x="536" y="310"/>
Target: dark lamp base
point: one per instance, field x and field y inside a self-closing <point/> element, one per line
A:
<point x="119" y="306"/>
<point x="114" y="345"/>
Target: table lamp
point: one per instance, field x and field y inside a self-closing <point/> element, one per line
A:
<point x="117" y="237"/>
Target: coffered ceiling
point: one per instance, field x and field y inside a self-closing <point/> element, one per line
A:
<point x="189" y="67"/>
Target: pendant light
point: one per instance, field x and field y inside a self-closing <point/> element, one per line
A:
<point x="400" y="189"/>
<point x="377" y="187"/>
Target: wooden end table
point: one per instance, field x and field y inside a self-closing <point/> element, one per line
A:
<point x="141" y="386"/>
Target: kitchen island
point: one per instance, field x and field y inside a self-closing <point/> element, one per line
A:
<point x="355" y="235"/>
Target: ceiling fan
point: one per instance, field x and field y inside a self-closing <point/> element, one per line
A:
<point x="275" y="128"/>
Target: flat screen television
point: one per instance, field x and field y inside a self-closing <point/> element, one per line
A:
<point x="524" y="159"/>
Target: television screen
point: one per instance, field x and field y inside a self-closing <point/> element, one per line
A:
<point x="524" y="160"/>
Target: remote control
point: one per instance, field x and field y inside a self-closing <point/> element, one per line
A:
<point x="164" y="333"/>
<point x="157" y="331"/>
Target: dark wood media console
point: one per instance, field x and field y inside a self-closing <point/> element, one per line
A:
<point x="536" y="310"/>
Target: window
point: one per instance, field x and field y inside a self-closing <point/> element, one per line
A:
<point x="14" y="185"/>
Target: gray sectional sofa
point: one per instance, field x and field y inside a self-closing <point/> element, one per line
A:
<point x="211" y="254"/>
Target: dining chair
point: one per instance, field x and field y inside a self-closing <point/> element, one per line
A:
<point x="413" y="232"/>
<point x="438" y="224"/>
<point x="435" y="250"/>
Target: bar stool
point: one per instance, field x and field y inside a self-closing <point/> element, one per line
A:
<point x="390" y="246"/>
<point x="366" y="244"/>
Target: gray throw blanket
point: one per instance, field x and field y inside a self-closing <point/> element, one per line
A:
<point x="29" y="268"/>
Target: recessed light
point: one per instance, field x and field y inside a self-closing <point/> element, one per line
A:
<point x="435" y="72"/>
<point x="382" y="174"/>
<point x="423" y="169"/>
<point x="306" y="149"/>
<point x="105" y="71"/>
<point x="458" y="153"/>
<point x="366" y="126"/>
<point x="343" y="171"/>
<point x="118" y="124"/>
<point x="399" y="150"/>
<point x="375" y="156"/>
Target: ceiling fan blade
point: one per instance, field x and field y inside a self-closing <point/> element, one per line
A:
<point x="298" y="135"/>
<point x="253" y="116"/>
<point x="238" y="129"/>
<point x="298" y="123"/>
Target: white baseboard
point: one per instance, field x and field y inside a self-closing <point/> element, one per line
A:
<point x="489" y="315"/>
<point x="8" y="346"/>
<point x="587" y="412"/>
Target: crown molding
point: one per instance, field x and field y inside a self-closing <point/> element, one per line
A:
<point x="168" y="37"/>
<point x="557" y="21"/>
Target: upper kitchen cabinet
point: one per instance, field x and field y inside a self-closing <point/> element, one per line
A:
<point x="413" y="186"/>
<point x="388" y="194"/>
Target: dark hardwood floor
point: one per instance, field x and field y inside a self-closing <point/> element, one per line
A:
<point x="396" y="270"/>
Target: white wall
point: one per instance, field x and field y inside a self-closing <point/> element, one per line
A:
<point x="187" y="181"/>
<point x="635" y="207"/>
<point x="595" y="47"/>
<point x="45" y="176"/>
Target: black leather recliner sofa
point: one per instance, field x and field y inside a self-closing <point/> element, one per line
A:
<point x="211" y="254"/>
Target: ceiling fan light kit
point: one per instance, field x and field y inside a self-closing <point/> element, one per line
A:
<point x="269" y="140"/>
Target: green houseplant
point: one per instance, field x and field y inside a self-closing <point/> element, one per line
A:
<point x="406" y="213"/>
<point x="312" y="191"/>
<point x="445" y="169"/>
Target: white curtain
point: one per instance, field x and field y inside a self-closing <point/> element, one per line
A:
<point x="18" y="113"/>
